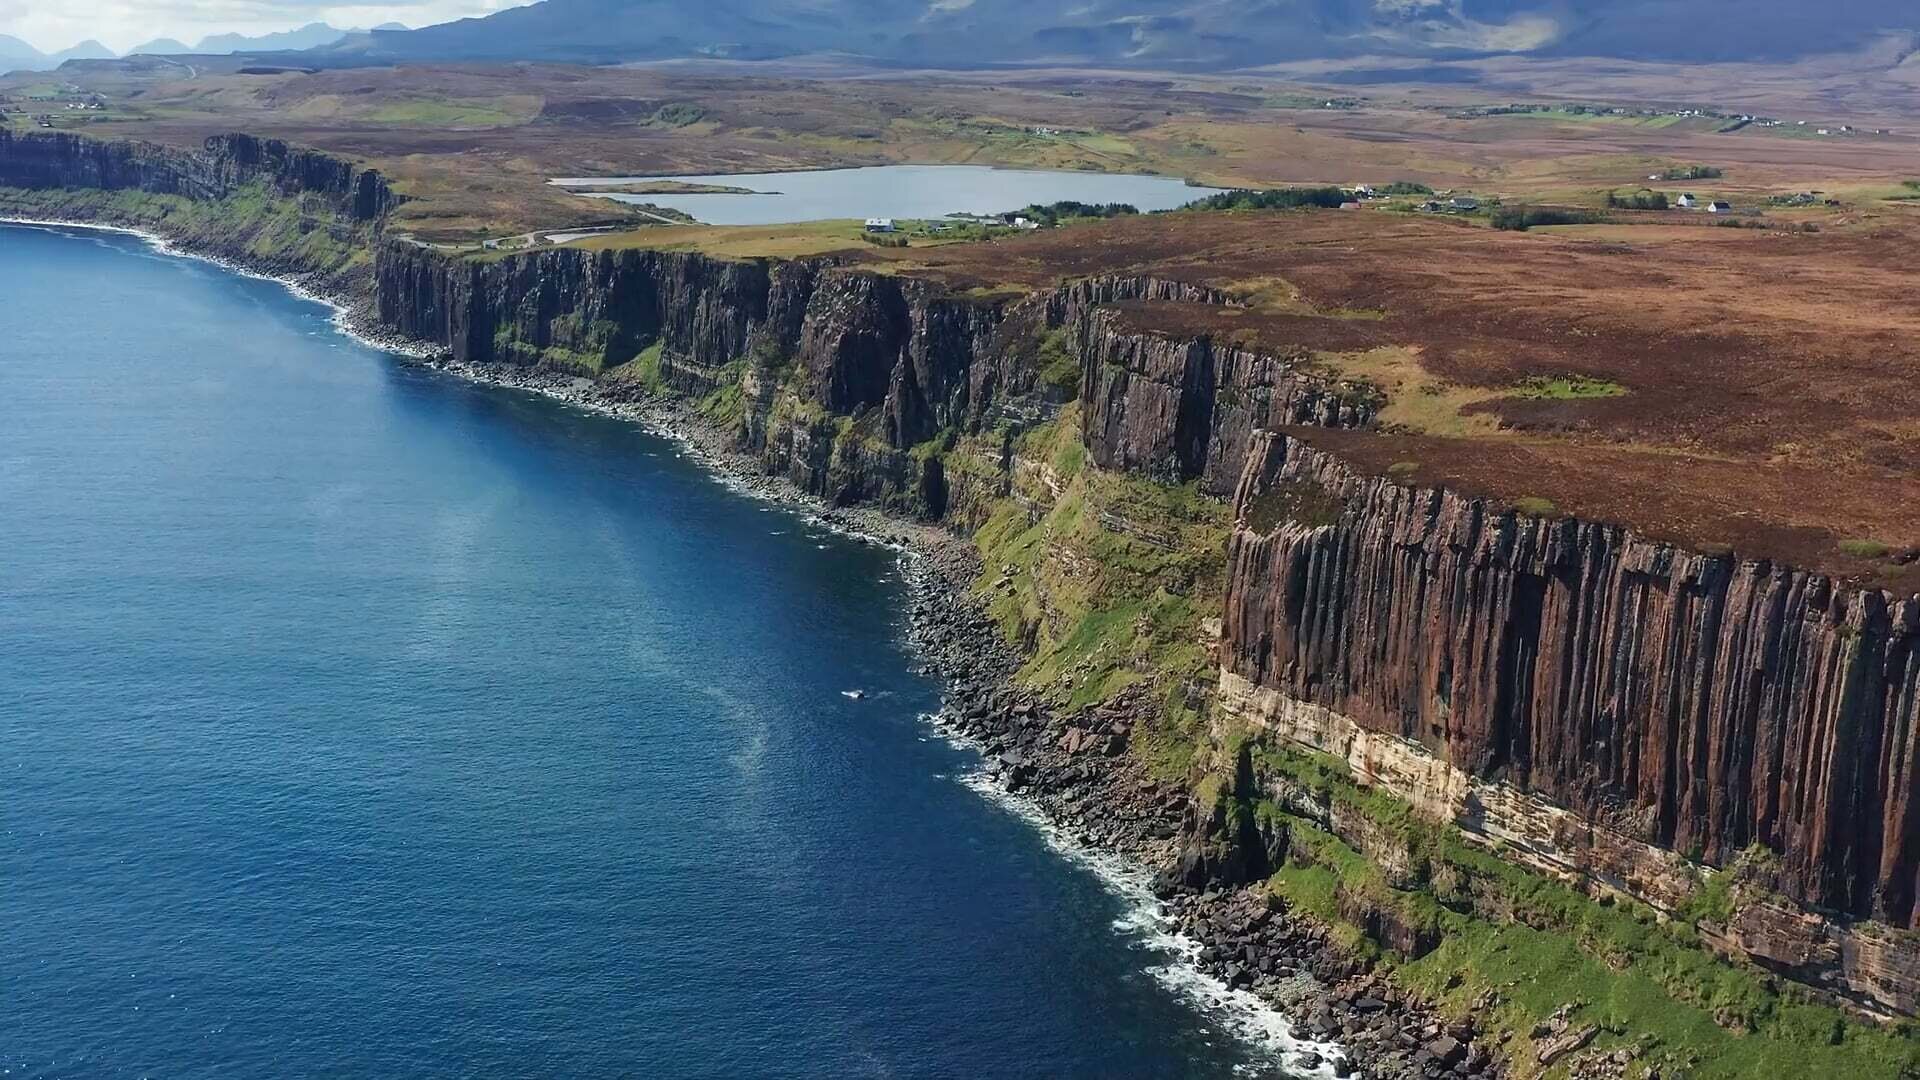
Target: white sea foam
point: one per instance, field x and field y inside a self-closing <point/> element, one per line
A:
<point x="1239" y="1012"/>
<point x="341" y="317"/>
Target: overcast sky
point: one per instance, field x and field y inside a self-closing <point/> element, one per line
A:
<point x="52" y="25"/>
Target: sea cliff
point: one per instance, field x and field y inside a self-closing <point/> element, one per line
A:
<point x="223" y="165"/>
<point x="1610" y="708"/>
<point x="1727" y="742"/>
<point x="851" y="370"/>
<point x="261" y="204"/>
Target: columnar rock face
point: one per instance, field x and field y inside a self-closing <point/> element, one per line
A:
<point x="1180" y="409"/>
<point x="900" y="360"/>
<point x="1077" y="298"/>
<point x="50" y="159"/>
<point x="926" y="359"/>
<point x="1700" y="704"/>
<point x="921" y="356"/>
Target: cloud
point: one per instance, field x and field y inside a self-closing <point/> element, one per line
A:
<point x="123" y="24"/>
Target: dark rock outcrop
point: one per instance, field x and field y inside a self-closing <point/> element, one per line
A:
<point x="844" y="370"/>
<point x="901" y="360"/>
<point x="224" y="164"/>
<point x="1700" y="704"/>
<point x="1187" y="409"/>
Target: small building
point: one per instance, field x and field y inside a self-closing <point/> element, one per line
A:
<point x="1687" y="201"/>
<point x="1719" y="207"/>
<point x="1025" y="223"/>
<point x="1463" y="204"/>
<point x="879" y="224"/>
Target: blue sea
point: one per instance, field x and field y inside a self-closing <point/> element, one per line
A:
<point x="359" y="721"/>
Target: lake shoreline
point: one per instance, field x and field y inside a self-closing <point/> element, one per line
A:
<point x="897" y="191"/>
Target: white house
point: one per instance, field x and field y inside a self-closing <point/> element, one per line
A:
<point x="1687" y="201"/>
<point x="1718" y="207"/>
<point x="879" y="224"/>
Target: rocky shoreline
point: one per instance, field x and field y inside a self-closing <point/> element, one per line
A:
<point x="1075" y="770"/>
<point x="1072" y="768"/>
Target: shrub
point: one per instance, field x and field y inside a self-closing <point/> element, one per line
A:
<point x="1522" y="218"/>
<point x="1864" y="549"/>
<point x="1276" y="199"/>
<point x="1567" y="388"/>
<point x="1639" y="200"/>
<point x="1535" y="506"/>
<point x="679" y="114"/>
<point x="1051" y="214"/>
<point x="1301" y="502"/>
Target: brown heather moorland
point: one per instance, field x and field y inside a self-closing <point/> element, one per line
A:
<point x="1747" y="387"/>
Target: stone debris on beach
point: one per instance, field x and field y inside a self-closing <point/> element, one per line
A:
<point x="1073" y="766"/>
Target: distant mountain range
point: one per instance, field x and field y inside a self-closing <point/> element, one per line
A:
<point x="1139" y="33"/>
<point x="17" y="55"/>
<point x="1168" y="34"/>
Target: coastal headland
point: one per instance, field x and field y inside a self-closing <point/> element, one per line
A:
<point x="1502" y="642"/>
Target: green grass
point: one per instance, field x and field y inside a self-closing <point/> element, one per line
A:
<point x="1542" y="945"/>
<point x="253" y="221"/>
<point x="643" y="370"/>
<point x="725" y="405"/>
<point x="1571" y="116"/>
<point x="1864" y="549"/>
<point x="446" y="112"/>
<point x="573" y="345"/>
<point x="1534" y="506"/>
<point x="1107" y="589"/>
<point x="1059" y="367"/>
